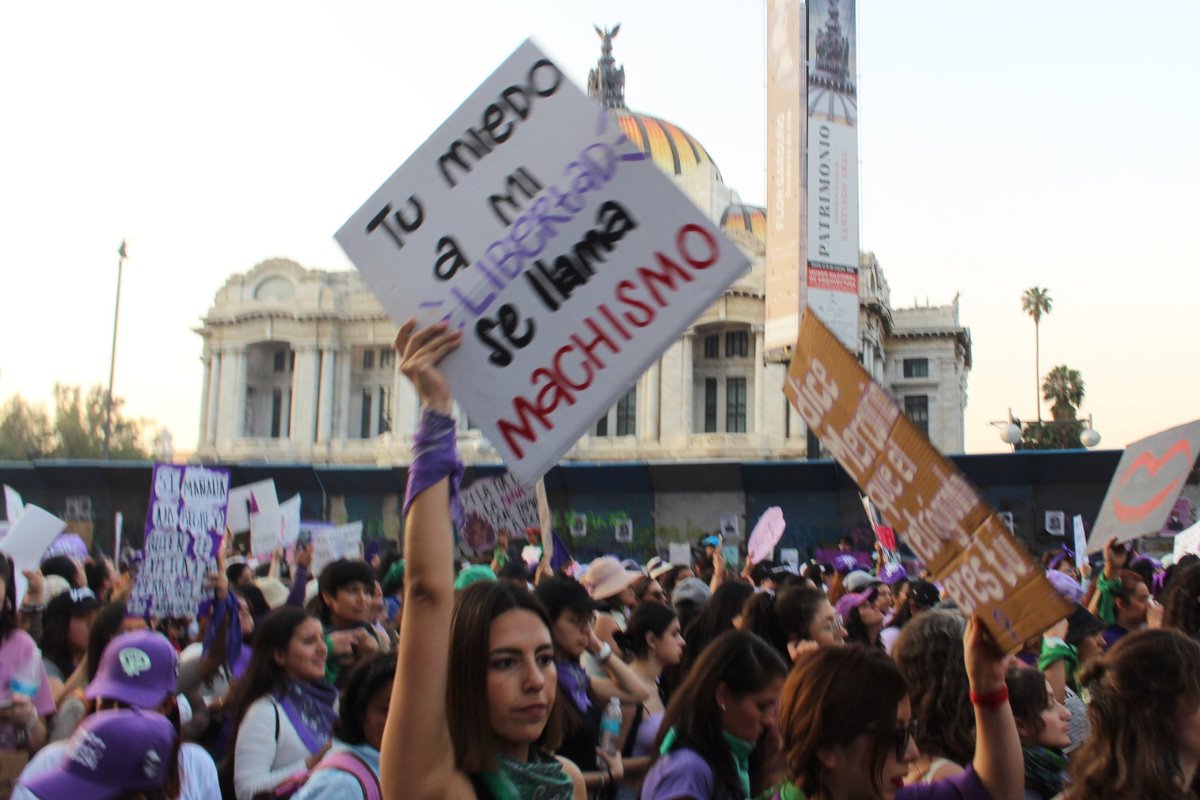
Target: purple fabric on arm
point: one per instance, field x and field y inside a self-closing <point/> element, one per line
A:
<point x="435" y="456"/>
<point x="964" y="786"/>
<point x="299" y="584"/>
<point x="680" y="773"/>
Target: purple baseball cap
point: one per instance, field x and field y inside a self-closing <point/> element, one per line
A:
<point x="139" y="669"/>
<point x="111" y="753"/>
<point x="1065" y="585"/>
<point x="845" y="563"/>
<point x="849" y="602"/>
<point x="893" y="573"/>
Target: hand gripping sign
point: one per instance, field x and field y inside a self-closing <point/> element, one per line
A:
<point x="569" y="261"/>
<point x="939" y="514"/>
<point x="1149" y="477"/>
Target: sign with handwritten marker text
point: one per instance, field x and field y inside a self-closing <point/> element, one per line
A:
<point x="568" y="259"/>
<point x="184" y="527"/>
<point x="939" y="513"/>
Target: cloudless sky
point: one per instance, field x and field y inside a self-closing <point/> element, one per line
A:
<point x="1002" y="145"/>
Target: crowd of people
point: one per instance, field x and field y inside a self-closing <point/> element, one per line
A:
<point x="413" y="675"/>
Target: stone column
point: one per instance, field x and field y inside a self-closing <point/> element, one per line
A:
<point x="688" y="342"/>
<point x="342" y="425"/>
<point x="404" y="405"/>
<point x="214" y="398"/>
<point x="325" y="403"/>
<point x="376" y="399"/>
<point x="304" y="396"/>
<point x="670" y="399"/>
<point x="648" y="395"/>
<point x="759" y="425"/>
<point x="239" y="395"/>
<point x="204" y="383"/>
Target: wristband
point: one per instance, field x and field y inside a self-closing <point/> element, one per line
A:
<point x="32" y="608"/>
<point x="604" y="653"/>
<point x="992" y="701"/>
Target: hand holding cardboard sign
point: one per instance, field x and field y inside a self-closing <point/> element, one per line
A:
<point x="420" y="351"/>
<point x="986" y="662"/>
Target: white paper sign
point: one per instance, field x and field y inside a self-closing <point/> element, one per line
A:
<point x="13" y="505"/>
<point x="679" y="554"/>
<point x="1187" y="542"/>
<point x="264" y="498"/>
<point x="334" y="542"/>
<point x="274" y="529"/>
<point x="791" y="557"/>
<point x="118" y="529"/>
<point x="494" y="504"/>
<point x="28" y="537"/>
<point x="570" y="262"/>
<point x="1080" y="542"/>
<point x="289" y="514"/>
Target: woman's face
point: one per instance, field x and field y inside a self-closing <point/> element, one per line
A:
<point x="870" y="615"/>
<point x="654" y="593"/>
<point x="748" y="716"/>
<point x="883" y="599"/>
<point x="572" y="630"/>
<point x="77" y="631"/>
<point x="668" y="648"/>
<point x="826" y="629"/>
<point x="851" y="773"/>
<point x="375" y="717"/>
<point x="1090" y="648"/>
<point x="520" y="676"/>
<point x="304" y="659"/>
<point x="245" y="617"/>
<point x="1056" y="728"/>
<point x="351" y="603"/>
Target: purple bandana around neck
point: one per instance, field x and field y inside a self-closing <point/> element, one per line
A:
<point x="310" y="708"/>
<point x="574" y="682"/>
<point x="435" y="456"/>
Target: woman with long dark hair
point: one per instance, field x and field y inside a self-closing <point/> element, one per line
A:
<point x="1044" y="725"/>
<point x="795" y="620"/>
<point x="848" y="729"/>
<point x="1143" y="702"/>
<point x="721" y="613"/>
<point x="656" y="643"/>
<point x="473" y="706"/>
<point x="716" y="721"/>
<point x="285" y="708"/>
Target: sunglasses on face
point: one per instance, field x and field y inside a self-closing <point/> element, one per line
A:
<point x="904" y="734"/>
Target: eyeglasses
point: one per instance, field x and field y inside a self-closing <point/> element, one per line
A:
<point x="905" y="733"/>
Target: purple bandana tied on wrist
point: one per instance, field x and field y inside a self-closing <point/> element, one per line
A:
<point x="435" y="456"/>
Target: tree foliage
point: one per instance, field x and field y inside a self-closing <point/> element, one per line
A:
<point x="1064" y="389"/>
<point x="77" y="430"/>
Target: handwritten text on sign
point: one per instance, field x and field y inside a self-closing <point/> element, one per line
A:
<point x="494" y="504"/>
<point x="530" y="221"/>
<point x="184" y="527"/>
<point x="942" y="517"/>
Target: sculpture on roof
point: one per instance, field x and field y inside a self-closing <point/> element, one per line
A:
<point x="606" y="82"/>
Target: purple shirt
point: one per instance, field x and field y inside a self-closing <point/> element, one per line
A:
<point x="682" y="773"/>
<point x="964" y="786"/>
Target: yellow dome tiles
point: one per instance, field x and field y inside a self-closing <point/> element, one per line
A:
<point x="751" y="219"/>
<point x="672" y="148"/>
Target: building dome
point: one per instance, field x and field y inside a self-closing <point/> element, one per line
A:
<point x="740" y="218"/>
<point x="672" y="148"/>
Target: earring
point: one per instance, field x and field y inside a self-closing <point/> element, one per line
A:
<point x="722" y="706"/>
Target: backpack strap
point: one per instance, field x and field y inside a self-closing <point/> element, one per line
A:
<point x="347" y="761"/>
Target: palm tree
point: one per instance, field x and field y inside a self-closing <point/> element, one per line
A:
<point x="1064" y="389"/>
<point x="1035" y="302"/>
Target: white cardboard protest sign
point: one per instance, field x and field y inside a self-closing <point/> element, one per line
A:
<point x="334" y="542"/>
<point x="1187" y="542"/>
<point x="1149" y="477"/>
<point x="13" y="505"/>
<point x="1080" y="542"/>
<point x="264" y="498"/>
<point x="679" y="554"/>
<point x="531" y="222"/>
<point x="27" y="539"/>
<point x="494" y="504"/>
<point x="278" y="528"/>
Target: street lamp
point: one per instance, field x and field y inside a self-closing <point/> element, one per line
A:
<point x="1011" y="430"/>
<point x="112" y="361"/>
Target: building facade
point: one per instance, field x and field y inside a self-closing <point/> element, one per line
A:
<point x="298" y="363"/>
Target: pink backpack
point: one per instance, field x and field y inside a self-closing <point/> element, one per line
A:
<point x="342" y="760"/>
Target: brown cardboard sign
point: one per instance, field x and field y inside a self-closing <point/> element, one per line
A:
<point x="11" y="765"/>
<point x="941" y="516"/>
<point x="1148" y="479"/>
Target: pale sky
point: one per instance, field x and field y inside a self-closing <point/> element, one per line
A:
<point x="1002" y="146"/>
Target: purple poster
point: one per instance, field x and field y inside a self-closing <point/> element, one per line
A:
<point x="184" y="527"/>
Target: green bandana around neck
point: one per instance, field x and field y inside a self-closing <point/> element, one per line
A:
<point x="542" y="779"/>
<point x="740" y="749"/>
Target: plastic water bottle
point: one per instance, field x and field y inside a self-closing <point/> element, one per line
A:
<point x="28" y="677"/>
<point x="610" y="728"/>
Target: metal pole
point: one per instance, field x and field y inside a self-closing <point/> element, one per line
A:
<point x="112" y="361"/>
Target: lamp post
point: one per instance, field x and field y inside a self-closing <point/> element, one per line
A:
<point x="112" y="361"/>
<point x="1011" y="430"/>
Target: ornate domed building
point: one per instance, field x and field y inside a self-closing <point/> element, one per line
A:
<point x="298" y="364"/>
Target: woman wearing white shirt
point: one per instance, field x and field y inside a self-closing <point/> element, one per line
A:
<point x="286" y="710"/>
